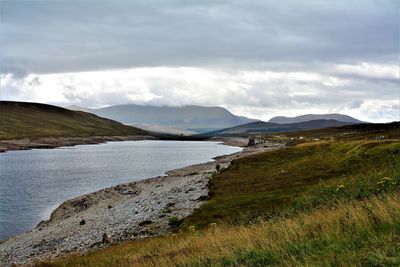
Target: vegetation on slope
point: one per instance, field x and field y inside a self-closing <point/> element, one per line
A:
<point x="262" y="127"/>
<point x="348" y="132"/>
<point x="33" y="120"/>
<point x="320" y="203"/>
<point x="267" y="184"/>
<point x="356" y="233"/>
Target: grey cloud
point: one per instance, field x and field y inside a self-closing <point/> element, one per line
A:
<point x="225" y="38"/>
<point x="71" y="36"/>
<point x="16" y="66"/>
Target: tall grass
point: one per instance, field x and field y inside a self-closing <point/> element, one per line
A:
<point x="355" y="233"/>
<point x="298" y="178"/>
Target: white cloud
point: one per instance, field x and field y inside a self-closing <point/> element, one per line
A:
<point x="257" y="94"/>
<point x="370" y="70"/>
<point x="377" y="110"/>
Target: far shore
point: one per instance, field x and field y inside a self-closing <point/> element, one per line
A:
<point x="133" y="210"/>
<point x="54" y="142"/>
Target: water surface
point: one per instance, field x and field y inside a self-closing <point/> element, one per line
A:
<point x="34" y="182"/>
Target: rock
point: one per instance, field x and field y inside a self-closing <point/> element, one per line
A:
<point x="106" y="238"/>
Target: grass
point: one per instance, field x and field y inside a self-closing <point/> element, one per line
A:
<point x="268" y="184"/>
<point x="356" y="233"/>
<point x="348" y="132"/>
<point x="319" y="203"/>
<point x="32" y="120"/>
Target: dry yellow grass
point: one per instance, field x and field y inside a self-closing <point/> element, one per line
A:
<point x="307" y="239"/>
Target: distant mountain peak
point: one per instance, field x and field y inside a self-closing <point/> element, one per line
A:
<point x="312" y="117"/>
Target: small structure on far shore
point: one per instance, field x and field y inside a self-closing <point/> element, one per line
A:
<point x="251" y="141"/>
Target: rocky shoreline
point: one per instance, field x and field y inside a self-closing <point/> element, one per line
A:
<point x="127" y="211"/>
<point x="54" y="142"/>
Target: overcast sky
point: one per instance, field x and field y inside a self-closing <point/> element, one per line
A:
<point x="257" y="58"/>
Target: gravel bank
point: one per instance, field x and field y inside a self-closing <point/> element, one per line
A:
<point x="127" y="211"/>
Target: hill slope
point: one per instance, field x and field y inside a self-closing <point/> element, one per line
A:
<point x="348" y="132"/>
<point x="33" y="120"/>
<point x="193" y="118"/>
<point x="311" y="117"/>
<point x="268" y="127"/>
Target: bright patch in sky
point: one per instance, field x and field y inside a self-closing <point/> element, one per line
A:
<point x="253" y="93"/>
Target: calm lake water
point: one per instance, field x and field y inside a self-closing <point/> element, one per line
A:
<point x="35" y="182"/>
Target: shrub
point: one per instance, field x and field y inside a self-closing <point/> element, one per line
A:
<point x="218" y="167"/>
<point x="174" y="222"/>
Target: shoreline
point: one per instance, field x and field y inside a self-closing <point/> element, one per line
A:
<point x="127" y="211"/>
<point x="55" y="142"/>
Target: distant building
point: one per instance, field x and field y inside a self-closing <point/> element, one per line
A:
<point x="251" y="141"/>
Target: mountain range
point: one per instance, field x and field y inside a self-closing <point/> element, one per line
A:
<point x="262" y="127"/>
<point x="192" y="119"/>
<point x="312" y="117"/>
<point x="200" y="120"/>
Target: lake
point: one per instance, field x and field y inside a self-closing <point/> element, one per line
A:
<point x="34" y="182"/>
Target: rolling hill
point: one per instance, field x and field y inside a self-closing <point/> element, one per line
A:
<point x="311" y="117"/>
<point x="33" y="120"/>
<point x="192" y="118"/>
<point x="268" y="127"/>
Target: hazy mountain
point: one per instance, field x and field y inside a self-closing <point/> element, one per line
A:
<point x="268" y="127"/>
<point x="163" y="129"/>
<point x="78" y="108"/>
<point x="311" y="117"/>
<point x="192" y="118"/>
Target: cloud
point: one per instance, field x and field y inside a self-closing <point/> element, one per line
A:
<point x="257" y="58"/>
<point x="368" y="70"/>
<point x="65" y="36"/>
<point x="258" y="94"/>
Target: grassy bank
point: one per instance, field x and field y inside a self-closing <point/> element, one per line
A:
<point x="356" y="233"/>
<point x="273" y="183"/>
<point x="33" y="120"/>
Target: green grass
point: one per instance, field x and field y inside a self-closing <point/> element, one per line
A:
<point x="270" y="183"/>
<point x="32" y="120"/>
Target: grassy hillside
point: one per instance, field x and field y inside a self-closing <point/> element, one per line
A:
<point x="262" y="127"/>
<point x="269" y="184"/>
<point x="319" y="203"/>
<point x="34" y="120"/>
<point x="348" y="132"/>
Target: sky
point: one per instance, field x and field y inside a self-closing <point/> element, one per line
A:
<point x="256" y="58"/>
